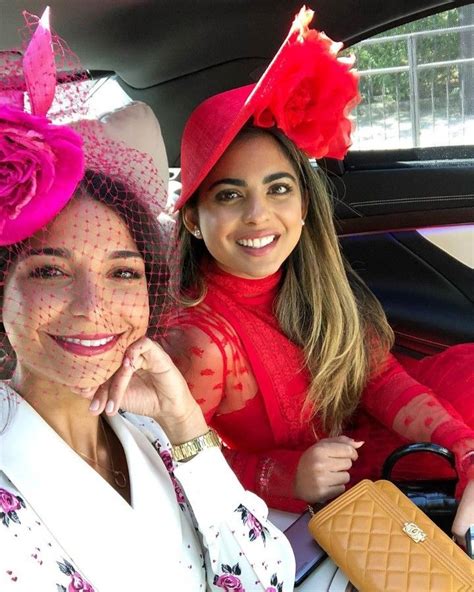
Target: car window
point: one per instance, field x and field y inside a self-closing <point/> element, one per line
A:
<point x="106" y="95"/>
<point x="103" y="95"/>
<point x="417" y="84"/>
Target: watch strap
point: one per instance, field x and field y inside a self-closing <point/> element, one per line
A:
<point x="187" y="450"/>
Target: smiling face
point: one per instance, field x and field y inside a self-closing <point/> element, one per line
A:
<point x="250" y="208"/>
<point x="76" y="297"/>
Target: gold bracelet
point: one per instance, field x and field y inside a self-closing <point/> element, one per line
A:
<point x="189" y="449"/>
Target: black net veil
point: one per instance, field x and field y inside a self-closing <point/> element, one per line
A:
<point x="85" y="274"/>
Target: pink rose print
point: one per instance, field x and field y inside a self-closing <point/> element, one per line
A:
<point x="254" y="525"/>
<point x="77" y="582"/>
<point x="168" y="462"/>
<point x="229" y="581"/>
<point x="40" y="167"/>
<point x="276" y="586"/>
<point x="256" y="530"/>
<point x="178" y="491"/>
<point x="8" y="501"/>
<point x="9" y="504"/>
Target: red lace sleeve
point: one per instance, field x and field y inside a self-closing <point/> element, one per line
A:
<point x="202" y="362"/>
<point x="208" y="353"/>
<point x="271" y="475"/>
<point x="414" y="412"/>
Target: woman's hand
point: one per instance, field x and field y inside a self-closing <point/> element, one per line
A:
<point x="323" y="470"/>
<point x="148" y="383"/>
<point x="465" y="514"/>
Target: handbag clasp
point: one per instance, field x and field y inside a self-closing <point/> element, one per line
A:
<point x="414" y="532"/>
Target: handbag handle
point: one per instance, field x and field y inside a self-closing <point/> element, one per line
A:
<point x="407" y="449"/>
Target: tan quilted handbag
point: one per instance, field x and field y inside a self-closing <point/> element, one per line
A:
<point x="384" y="543"/>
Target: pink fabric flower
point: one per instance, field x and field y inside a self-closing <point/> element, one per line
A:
<point x="8" y="501"/>
<point x="40" y="167"/>
<point x="79" y="583"/>
<point x="313" y="94"/>
<point x="229" y="583"/>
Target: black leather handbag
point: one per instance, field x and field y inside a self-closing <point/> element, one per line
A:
<point x="435" y="497"/>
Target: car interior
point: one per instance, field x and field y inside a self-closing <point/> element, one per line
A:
<point x="404" y="193"/>
<point x="173" y="55"/>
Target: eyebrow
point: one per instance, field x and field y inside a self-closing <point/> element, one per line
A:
<point x="241" y="183"/>
<point x="228" y="181"/>
<point x="275" y="176"/>
<point x="66" y="254"/>
<point x="124" y="255"/>
<point x="49" y="251"/>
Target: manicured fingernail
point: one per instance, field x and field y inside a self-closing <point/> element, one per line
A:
<point x="109" y="408"/>
<point x="94" y="406"/>
<point x="127" y="362"/>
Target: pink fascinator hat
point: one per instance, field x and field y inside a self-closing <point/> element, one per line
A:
<point x="41" y="162"/>
<point x="307" y="91"/>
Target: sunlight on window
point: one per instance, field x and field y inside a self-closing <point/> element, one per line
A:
<point x="106" y="95"/>
<point x="94" y="99"/>
<point x="417" y="84"/>
<point x="457" y="241"/>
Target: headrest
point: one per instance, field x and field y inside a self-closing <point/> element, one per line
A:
<point x="137" y="126"/>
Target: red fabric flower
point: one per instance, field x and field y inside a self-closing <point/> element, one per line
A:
<point x="313" y="93"/>
<point x="40" y="167"/>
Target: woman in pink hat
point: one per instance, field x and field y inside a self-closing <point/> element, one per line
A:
<point x="285" y="348"/>
<point x="90" y="498"/>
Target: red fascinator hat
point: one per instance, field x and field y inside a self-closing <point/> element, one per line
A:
<point x="307" y="91"/>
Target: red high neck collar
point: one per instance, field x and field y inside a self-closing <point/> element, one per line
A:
<point x="247" y="291"/>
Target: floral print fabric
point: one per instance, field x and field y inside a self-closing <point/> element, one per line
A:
<point x="10" y="504"/>
<point x="222" y="547"/>
<point x="20" y="525"/>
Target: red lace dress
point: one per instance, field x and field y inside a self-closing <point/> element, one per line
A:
<point x="250" y="381"/>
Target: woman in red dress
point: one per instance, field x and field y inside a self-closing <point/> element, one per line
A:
<point x="282" y="344"/>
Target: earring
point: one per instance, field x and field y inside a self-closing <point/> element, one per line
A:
<point x="197" y="233"/>
<point x="302" y="222"/>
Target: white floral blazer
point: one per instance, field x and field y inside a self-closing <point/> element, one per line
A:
<point x="190" y="526"/>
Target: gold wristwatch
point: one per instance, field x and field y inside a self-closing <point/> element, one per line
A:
<point x="187" y="450"/>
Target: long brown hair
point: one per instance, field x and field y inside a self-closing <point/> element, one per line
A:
<point x="322" y="305"/>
